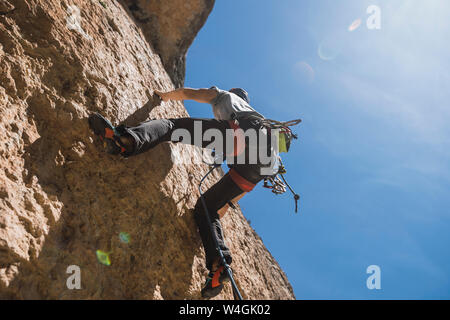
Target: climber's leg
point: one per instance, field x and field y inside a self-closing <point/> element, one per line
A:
<point x="146" y="135"/>
<point x="215" y="198"/>
<point x="222" y="211"/>
<point x="150" y="133"/>
<point x="235" y="184"/>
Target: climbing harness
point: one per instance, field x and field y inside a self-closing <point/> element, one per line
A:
<point x="277" y="182"/>
<point x="237" y="295"/>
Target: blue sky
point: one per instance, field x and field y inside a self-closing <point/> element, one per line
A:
<point x="372" y="161"/>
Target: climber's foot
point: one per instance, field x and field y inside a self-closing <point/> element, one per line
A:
<point x="107" y="134"/>
<point x="214" y="282"/>
<point x="127" y="142"/>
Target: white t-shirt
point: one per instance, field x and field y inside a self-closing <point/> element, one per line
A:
<point x="227" y="103"/>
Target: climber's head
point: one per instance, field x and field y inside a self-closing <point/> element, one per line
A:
<point x="241" y="93"/>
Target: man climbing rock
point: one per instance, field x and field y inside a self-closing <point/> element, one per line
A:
<point x="232" y="111"/>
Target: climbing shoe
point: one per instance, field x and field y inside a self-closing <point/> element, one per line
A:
<point x="107" y="134"/>
<point x="214" y="282"/>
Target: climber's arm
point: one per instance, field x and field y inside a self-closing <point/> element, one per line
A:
<point x="199" y="95"/>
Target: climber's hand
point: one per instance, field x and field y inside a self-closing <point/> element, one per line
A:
<point x="163" y="95"/>
<point x="199" y="95"/>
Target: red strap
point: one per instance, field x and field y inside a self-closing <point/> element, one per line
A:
<point x="238" y="137"/>
<point x="233" y="124"/>
<point x="242" y="183"/>
<point x="215" y="279"/>
<point x="109" y="133"/>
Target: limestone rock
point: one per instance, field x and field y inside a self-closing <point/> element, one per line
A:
<point x="61" y="199"/>
<point x="171" y="26"/>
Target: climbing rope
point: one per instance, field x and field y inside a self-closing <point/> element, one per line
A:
<point x="275" y="124"/>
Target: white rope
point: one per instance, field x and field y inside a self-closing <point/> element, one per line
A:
<point x="275" y="124"/>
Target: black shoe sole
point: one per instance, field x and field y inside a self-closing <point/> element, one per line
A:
<point x="98" y="124"/>
<point x="211" y="292"/>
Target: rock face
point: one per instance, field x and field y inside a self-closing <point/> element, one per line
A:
<point x="61" y="199"/>
<point x="171" y="26"/>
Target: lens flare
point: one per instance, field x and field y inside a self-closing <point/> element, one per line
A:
<point x="355" y="25"/>
<point x="124" y="237"/>
<point x="103" y="257"/>
<point x="329" y="48"/>
<point x="304" y="72"/>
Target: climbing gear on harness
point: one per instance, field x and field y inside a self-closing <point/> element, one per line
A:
<point x="274" y="182"/>
<point x="237" y="295"/>
<point x="277" y="182"/>
<point x="285" y="133"/>
<point x="214" y="282"/>
<point x="107" y="134"/>
<point x="278" y="185"/>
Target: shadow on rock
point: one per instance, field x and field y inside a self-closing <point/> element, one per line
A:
<point x="142" y="113"/>
<point x="102" y="196"/>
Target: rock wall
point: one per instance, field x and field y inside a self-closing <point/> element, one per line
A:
<point x="61" y="199"/>
<point x="171" y="26"/>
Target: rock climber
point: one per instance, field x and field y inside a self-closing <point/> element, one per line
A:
<point x="232" y="112"/>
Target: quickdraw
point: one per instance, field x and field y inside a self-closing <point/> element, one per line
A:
<point x="278" y="186"/>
